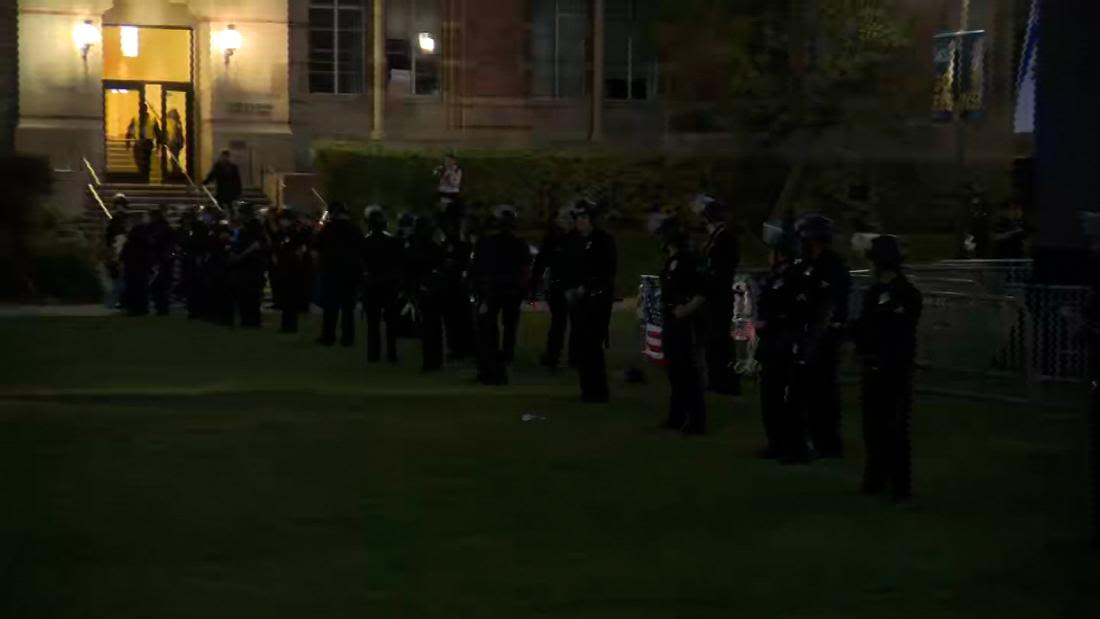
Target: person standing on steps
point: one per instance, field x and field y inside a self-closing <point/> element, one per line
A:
<point x="721" y="255"/>
<point x="226" y="177"/>
<point x="338" y="251"/>
<point x="593" y="297"/>
<point x="682" y="297"/>
<point x="382" y="262"/>
<point x="886" y="338"/>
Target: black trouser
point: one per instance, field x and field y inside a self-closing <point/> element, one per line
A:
<point x="887" y="400"/>
<point x="686" y="406"/>
<point x="497" y="333"/>
<point x="458" y="321"/>
<point x="721" y="375"/>
<point x="431" y="332"/>
<point x="561" y="315"/>
<point x="192" y="287"/>
<point x="248" y="292"/>
<point x="143" y="157"/>
<point x="820" y="395"/>
<point x="381" y="305"/>
<point x="221" y="299"/>
<point x="592" y="328"/>
<point x="137" y="289"/>
<point x="338" y="303"/>
<point x="161" y="287"/>
<point x="293" y="296"/>
<point x="776" y="365"/>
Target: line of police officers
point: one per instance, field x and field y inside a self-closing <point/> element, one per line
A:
<point x="465" y="288"/>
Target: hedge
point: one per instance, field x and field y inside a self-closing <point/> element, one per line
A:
<point x="905" y="197"/>
<point x="538" y="183"/>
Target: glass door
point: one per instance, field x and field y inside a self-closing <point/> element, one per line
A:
<point x="177" y="133"/>
<point x="122" y="107"/>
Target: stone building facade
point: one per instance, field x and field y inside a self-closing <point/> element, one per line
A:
<point x="268" y="79"/>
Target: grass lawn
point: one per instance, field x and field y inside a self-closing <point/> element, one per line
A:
<point x="163" y="469"/>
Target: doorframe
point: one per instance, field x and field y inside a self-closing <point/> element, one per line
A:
<point x="189" y="128"/>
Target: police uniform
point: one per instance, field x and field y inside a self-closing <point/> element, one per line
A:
<point x="681" y="281"/>
<point x="291" y="274"/>
<point x="218" y="278"/>
<point x="594" y="302"/>
<point x="886" y="340"/>
<point x="137" y="262"/>
<point x="556" y="263"/>
<point x="822" y="314"/>
<point x="500" y="269"/>
<point x="457" y="313"/>
<point x="163" y="240"/>
<point x="339" y="247"/>
<point x="721" y="255"/>
<point x="249" y="264"/>
<point x="194" y="248"/>
<point x="777" y="335"/>
<point x="382" y="262"/>
<point x="425" y="282"/>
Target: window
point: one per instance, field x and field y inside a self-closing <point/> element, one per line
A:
<point x="629" y="65"/>
<point x="336" y="35"/>
<point x="413" y="46"/>
<point x="559" y="46"/>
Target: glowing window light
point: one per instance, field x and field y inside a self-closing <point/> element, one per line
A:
<point x="427" y="43"/>
<point x="130" y="41"/>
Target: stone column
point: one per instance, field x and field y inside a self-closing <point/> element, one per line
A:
<point x="378" y="85"/>
<point x="596" y="127"/>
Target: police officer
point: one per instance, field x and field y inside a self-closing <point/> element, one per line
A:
<point x="500" y="271"/>
<point x="425" y="284"/>
<point x="248" y="263"/>
<point x="382" y="258"/>
<point x="721" y="255"/>
<point x="163" y="240"/>
<point x="886" y="337"/>
<point x="291" y="272"/>
<point x="777" y="335"/>
<point x="219" y="284"/>
<point x="682" y="297"/>
<point x="457" y="313"/>
<point x="137" y="264"/>
<point x="194" y="242"/>
<point x="555" y="264"/>
<point x="593" y="298"/>
<point x="823" y="315"/>
<point x="339" y="245"/>
<point x="114" y="240"/>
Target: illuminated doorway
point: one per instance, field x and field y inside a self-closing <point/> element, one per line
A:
<point x="148" y="103"/>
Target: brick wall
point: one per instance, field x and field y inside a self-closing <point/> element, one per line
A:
<point x="496" y="42"/>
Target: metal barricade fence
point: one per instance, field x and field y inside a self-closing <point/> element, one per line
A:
<point x="1033" y="333"/>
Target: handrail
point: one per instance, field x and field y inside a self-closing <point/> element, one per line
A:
<point x="91" y="171"/>
<point x="316" y="194"/>
<point x="99" y="201"/>
<point x="188" y="176"/>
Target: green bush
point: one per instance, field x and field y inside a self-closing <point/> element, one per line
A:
<point x="538" y="183"/>
<point x="65" y="272"/>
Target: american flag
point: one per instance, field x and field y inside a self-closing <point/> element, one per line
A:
<point x="650" y="313"/>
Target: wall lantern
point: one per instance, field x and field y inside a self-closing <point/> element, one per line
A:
<point x="129" y="38"/>
<point x="427" y="42"/>
<point x="85" y="36"/>
<point x="230" y="41"/>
